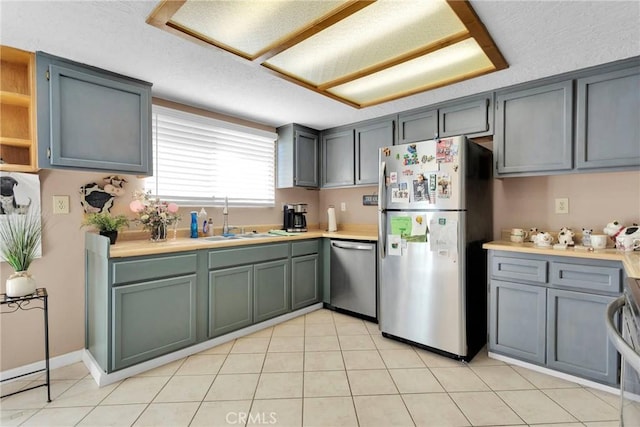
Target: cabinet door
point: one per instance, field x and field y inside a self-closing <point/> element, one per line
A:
<point x="534" y="129"/>
<point x="369" y="140"/>
<point x="417" y="126"/>
<point x="305" y="283"/>
<point x="577" y="336"/>
<point x="306" y="162"/>
<point x="270" y="289"/>
<point x="607" y="125"/>
<point x="152" y="318"/>
<point x="468" y="118"/>
<point x="92" y="119"/>
<point x="517" y="320"/>
<point x="230" y="299"/>
<point x="338" y="159"/>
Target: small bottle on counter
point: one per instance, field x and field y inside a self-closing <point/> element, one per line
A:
<point x="209" y="227"/>
<point x="194" y="224"/>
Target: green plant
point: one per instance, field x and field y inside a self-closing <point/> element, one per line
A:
<point x="104" y="221"/>
<point x="20" y="236"/>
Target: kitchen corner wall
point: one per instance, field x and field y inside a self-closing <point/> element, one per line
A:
<point x="355" y="213"/>
<point x="61" y="269"/>
<point x="594" y="200"/>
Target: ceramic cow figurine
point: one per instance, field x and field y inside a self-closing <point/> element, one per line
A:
<point x="615" y="229"/>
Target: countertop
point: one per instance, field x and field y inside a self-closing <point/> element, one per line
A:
<point x="129" y="248"/>
<point x="630" y="260"/>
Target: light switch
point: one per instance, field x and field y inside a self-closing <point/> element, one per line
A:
<point x="60" y="205"/>
<point x="343" y="206"/>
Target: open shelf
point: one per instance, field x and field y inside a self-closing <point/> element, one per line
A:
<point x="17" y="108"/>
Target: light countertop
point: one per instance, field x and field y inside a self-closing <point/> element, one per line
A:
<point x="630" y="260"/>
<point x="127" y="248"/>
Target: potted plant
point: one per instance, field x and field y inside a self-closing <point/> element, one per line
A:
<point x="20" y="236"/>
<point x="107" y="224"/>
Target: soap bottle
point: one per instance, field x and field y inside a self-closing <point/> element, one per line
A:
<point x="209" y="231"/>
<point x="194" y="224"/>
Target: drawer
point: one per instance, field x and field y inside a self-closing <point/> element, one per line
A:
<point x="136" y="270"/>
<point x="530" y="270"/>
<point x="586" y="277"/>
<point x="307" y="247"/>
<point x="247" y="255"/>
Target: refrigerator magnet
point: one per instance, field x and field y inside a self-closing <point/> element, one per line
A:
<point x="444" y="186"/>
<point x="395" y="245"/>
<point x="393" y="177"/>
<point x="400" y="194"/>
<point x="420" y="189"/>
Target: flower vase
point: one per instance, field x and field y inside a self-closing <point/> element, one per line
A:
<point x="159" y="233"/>
<point x="19" y="284"/>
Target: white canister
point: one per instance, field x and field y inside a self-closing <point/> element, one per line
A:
<point x="331" y="219"/>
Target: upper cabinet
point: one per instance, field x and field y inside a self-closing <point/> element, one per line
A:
<point x="337" y="158"/>
<point x="534" y="129"/>
<point x="369" y="140"/>
<point x="607" y="120"/>
<point x="17" y="108"/>
<point x="472" y="116"/>
<point x="350" y="154"/>
<point x="417" y="125"/>
<point x="92" y="119"/>
<point x="298" y="164"/>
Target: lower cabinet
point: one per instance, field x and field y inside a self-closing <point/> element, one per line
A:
<point x="555" y="317"/>
<point x="305" y="289"/>
<point x="230" y="299"/>
<point x="577" y="336"/>
<point x="270" y="289"/>
<point x="153" y="318"/>
<point x="517" y="320"/>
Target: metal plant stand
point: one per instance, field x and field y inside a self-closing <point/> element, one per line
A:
<point x="24" y="303"/>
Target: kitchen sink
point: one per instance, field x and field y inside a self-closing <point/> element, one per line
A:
<point x="219" y="238"/>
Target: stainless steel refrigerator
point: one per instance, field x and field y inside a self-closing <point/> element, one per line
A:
<point x="435" y="212"/>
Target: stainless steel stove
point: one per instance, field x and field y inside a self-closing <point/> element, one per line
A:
<point x="627" y="341"/>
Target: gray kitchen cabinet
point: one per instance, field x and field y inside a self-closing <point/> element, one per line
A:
<point x="270" y="289"/>
<point x="153" y="318"/>
<point x="230" y="299"/>
<point x="338" y="159"/>
<point x="534" y="129"/>
<point x="91" y="119"/>
<point x="607" y="125"/>
<point x="517" y="320"/>
<point x="305" y="273"/>
<point x="369" y="139"/>
<point x="417" y="125"/>
<point x="471" y="117"/>
<point x="584" y="351"/>
<point x="297" y="155"/>
<point x="550" y="310"/>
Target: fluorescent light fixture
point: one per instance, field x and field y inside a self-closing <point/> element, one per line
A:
<point x="361" y="52"/>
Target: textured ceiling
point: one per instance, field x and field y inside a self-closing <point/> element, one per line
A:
<point x="537" y="38"/>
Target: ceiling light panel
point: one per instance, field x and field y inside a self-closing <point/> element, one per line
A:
<point x="249" y="27"/>
<point x="381" y="32"/>
<point x="452" y="64"/>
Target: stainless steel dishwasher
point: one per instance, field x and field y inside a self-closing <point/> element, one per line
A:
<point x="354" y="277"/>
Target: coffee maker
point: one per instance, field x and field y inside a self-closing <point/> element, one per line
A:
<point x="295" y="217"/>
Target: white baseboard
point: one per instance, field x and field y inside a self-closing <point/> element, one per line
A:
<point x="102" y="378"/>
<point x="556" y="374"/>
<point x="54" y="362"/>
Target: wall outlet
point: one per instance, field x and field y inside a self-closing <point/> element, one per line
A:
<point x="343" y="206"/>
<point x="60" y="205"/>
<point x="562" y="205"/>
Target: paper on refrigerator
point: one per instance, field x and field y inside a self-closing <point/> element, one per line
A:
<point x="443" y="235"/>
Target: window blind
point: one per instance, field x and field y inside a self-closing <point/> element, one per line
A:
<point x="198" y="161"/>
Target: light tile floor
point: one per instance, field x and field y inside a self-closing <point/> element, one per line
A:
<point x="321" y="369"/>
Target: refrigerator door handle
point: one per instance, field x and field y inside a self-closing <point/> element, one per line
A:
<point x="382" y="220"/>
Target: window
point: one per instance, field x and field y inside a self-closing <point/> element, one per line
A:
<point x="198" y="161"/>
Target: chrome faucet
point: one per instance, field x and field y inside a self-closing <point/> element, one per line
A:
<point x="226" y="228"/>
